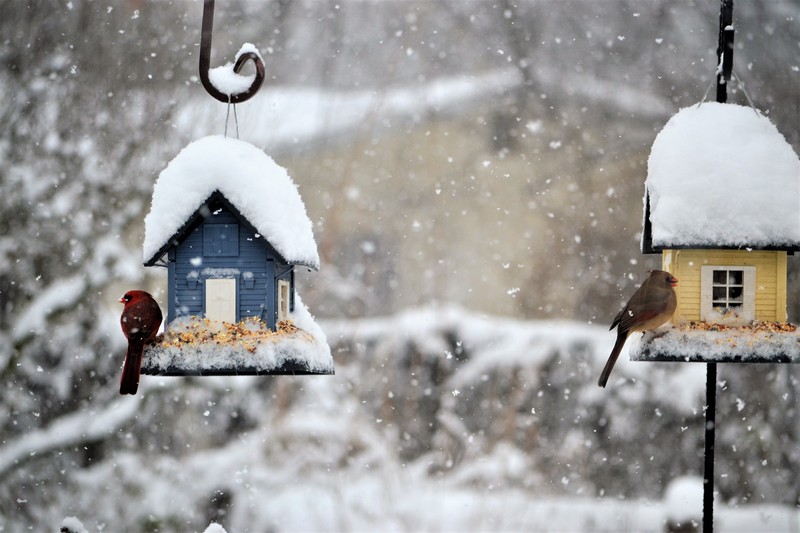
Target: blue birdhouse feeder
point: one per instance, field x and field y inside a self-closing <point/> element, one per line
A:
<point x="230" y="227"/>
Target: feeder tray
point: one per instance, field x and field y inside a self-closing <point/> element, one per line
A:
<point x="761" y="342"/>
<point x="289" y="368"/>
<point x="194" y="346"/>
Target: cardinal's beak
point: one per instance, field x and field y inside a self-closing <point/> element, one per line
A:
<point x="673" y="281"/>
<point x="122" y="300"/>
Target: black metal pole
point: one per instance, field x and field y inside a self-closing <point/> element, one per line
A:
<point x="708" y="463"/>
<point x="725" y="64"/>
<point x="725" y="49"/>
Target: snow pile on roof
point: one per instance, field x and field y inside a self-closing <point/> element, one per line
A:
<point x="301" y="349"/>
<point x="722" y="175"/>
<point x="258" y="187"/>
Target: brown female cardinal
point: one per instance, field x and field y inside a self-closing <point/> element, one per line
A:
<point x="140" y="321"/>
<point x="650" y="306"/>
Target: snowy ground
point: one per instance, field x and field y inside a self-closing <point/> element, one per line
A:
<point x="286" y="496"/>
<point x="319" y="458"/>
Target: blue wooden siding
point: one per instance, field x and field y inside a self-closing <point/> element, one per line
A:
<point x="255" y="267"/>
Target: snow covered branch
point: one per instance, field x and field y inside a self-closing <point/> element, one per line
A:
<point x="60" y="295"/>
<point x="76" y="428"/>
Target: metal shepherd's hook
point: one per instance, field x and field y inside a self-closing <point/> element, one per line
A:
<point x="205" y="62"/>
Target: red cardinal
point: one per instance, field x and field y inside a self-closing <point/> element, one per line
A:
<point x="140" y="321"/>
<point x="650" y="306"/>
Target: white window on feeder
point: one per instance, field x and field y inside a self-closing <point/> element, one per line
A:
<point x="728" y="293"/>
<point x="221" y="299"/>
<point x="283" y="300"/>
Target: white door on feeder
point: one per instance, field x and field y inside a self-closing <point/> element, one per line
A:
<point x="221" y="300"/>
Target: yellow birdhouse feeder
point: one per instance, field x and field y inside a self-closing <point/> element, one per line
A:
<point x="722" y="207"/>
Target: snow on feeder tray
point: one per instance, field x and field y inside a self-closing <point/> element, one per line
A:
<point x="722" y="206"/>
<point x="229" y="225"/>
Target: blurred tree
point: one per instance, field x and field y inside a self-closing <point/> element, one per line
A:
<point x="79" y="126"/>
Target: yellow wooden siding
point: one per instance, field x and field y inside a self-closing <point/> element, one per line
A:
<point x="770" y="279"/>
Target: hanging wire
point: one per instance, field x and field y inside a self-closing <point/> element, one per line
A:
<point x="708" y="89"/>
<point x="235" y="119"/>
<point x="741" y="85"/>
<point x="227" y="115"/>
<point x="714" y="80"/>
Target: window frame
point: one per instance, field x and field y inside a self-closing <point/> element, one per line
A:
<point x="220" y="240"/>
<point x="744" y="313"/>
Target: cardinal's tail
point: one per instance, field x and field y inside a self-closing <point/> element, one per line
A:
<point x="612" y="359"/>
<point x="130" y="370"/>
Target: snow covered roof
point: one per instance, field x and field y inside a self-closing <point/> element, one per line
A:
<point x="250" y="180"/>
<point x="721" y="176"/>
